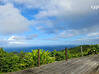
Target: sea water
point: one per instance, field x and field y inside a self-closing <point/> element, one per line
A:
<point x="29" y="49"/>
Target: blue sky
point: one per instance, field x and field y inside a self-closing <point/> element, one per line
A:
<point x="48" y="22"/>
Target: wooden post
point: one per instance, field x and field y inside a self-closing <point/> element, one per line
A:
<point x="38" y="57"/>
<point x="66" y="54"/>
<point x="81" y="51"/>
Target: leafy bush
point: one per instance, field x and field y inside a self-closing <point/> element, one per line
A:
<point x="75" y="52"/>
<point x="10" y="62"/>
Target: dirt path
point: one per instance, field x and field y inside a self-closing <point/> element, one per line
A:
<point x="83" y="65"/>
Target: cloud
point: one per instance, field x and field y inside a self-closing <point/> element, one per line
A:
<point x="11" y="20"/>
<point x="3" y="42"/>
<point x="13" y="38"/>
<point x="91" y="38"/>
<point x="17" y="40"/>
<point x="12" y="43"/>
<point x="93" y="34"/>
<point x="31" y="37"/>
<point x="22" y="38"/>
<point x="63" y="15"/>
<point x="63" y="18"/>
<point x="67" y="34"/>
<point x="89" y="41"/>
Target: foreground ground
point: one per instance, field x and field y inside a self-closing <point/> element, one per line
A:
<point x="83" y="65"/>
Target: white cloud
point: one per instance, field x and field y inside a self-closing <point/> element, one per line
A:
<point x="69" y="14"/>
<point x="15" y="42"/>
<point x="22" y="38"/>
<point x="67" y="34"/>
<point x="11" y="20"/>
<point x="93" y="34"/>
<point x="14" y="38"/>
<point x="57" y="6"/>
<point x="12" y="41"/>
<point x="73" y="14"/>
<point x="97" y="37"/>
<point x="11" y="38"/>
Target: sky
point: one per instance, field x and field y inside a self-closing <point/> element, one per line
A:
<point x="48" y="22"/>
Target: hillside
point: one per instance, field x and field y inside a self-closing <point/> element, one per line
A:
<point x="10" y="62"/>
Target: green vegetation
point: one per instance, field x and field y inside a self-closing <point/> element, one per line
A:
<point x="10" y="62"/>
<point x="76" y="52"/>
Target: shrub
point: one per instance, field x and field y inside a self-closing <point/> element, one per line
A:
<point x="10" y="62"/>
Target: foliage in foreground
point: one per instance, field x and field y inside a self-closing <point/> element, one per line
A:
<point x="76" y="52"/>
<point x="10" y="62"/>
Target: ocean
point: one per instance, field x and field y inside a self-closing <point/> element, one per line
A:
<point x="29" y="49"/>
